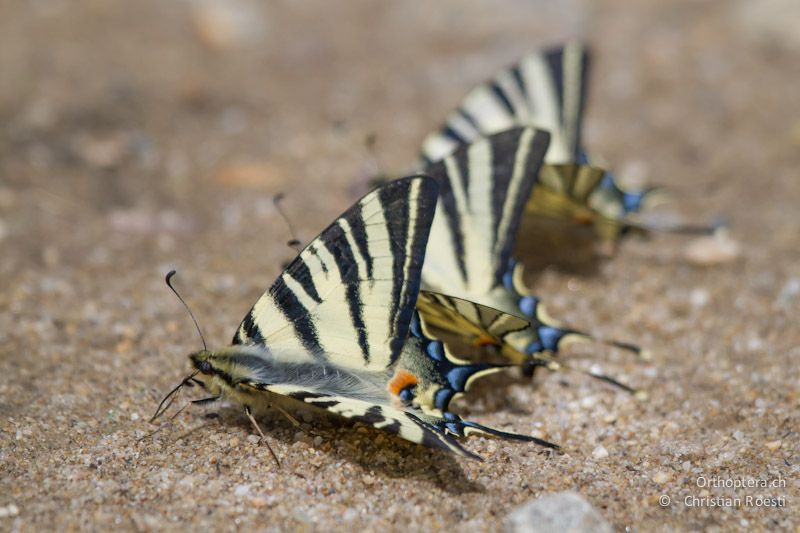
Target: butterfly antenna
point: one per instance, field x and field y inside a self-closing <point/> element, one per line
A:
<point x="168" y="279"/>
<point x="551" y="363"/>
<point x="294" y="242"/>
<point x="642" y="353"/>
<point x="170" y="397"/>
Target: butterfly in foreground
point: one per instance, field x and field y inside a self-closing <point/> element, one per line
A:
<point x="338" y="330"/>
<point x="546" y="90"/>
<point x="483" y="187"/>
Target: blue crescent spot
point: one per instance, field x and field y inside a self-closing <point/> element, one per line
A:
<point x="415" y="327"/>
<point x="632" y="201"/>
<point x="550" y="337"/>
<point x="534" y="347"/>
<point x="442" y="398"/>
<point x="407" y="394"/>
<point x="458" y="376"/>
<point x="435" y="350"/>
<point x="527" y="305"/>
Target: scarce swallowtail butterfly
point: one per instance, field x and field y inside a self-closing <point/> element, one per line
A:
<point x="483" y="187"/>
<point x="545" y="90"/>
<point x="338" y="330"/>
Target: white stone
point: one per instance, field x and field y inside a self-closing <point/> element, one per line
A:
<point x="561" y="511"/>
<point x="600" y="453"/>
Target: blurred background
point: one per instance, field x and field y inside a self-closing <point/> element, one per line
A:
<point x="140" y="136"/>
<point x="122" y="113"/>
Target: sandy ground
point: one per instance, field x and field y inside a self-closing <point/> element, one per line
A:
<point x="140" y="136"/>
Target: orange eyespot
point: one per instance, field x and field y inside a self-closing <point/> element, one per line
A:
<point x="582" y="217"/>
<point x="485" y="340"/>
<point x="402" y="378"/>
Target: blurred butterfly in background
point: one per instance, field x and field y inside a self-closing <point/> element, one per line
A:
<point x="546" y="90"/>
<point x="338" y="330"/>
<point x="483" y="188"/>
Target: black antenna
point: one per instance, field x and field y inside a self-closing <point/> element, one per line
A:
<point x="168" y="279"/>
<point x="170" y="397"/>
<point x="294" y="242"/>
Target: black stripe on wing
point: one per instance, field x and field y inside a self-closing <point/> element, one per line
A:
<point x="386" y="418"/>
<point x="295" y="312"/>
<point x="335" y="241"/>
<point x="407" y="247"/>
<point x="555" y="64"/>
<point x="569" y="64"/>
<point x="439" y="171"/>
<point x="343" y="255"/>
<point x="358" y="231"/>
<point x="505" y="148"/>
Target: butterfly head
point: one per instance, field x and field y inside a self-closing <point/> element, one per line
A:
<point x="201" y="360"/>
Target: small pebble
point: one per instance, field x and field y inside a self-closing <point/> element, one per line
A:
<point x="248" y="175"/>
<point x="228" y="25"/>
<point x="253" y="439"/>
<point x="259" y="501"/>
<point x="712" y="250"/>
<point x="600" y="453"/>
<point x="588" y="402"/>
<point x="699" y="297"/>
<point x="561" y="511"/>
<point x="789" y="291"/>
<point x="9" y="511"/>
<point x="773" y="445"/>
<point x="661" y="477"/>
<point x="241" y="490"/>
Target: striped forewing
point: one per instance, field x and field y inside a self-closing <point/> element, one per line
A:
<point x="483" y="188"/>
<point x="545" y="89"/>
<point x="348" y="296"/>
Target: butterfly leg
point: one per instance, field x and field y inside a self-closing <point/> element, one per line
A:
<point x="204" y="401"/>
<point x="249" y="414"/>
<point x="285" y="413"/>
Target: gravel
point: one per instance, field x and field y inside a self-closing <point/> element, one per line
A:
<point x="134" y="139"/>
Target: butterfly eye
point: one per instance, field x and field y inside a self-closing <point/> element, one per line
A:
<point x="205" y="367"/>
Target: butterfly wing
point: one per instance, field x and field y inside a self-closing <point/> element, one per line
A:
<point x="483" y="188"/>
<point x="383" y="416"/>
<point x="545" y="90"/>
<point x="347" y="298"/>
<point x="469" y="323"/>
<point x="432" y="428"/>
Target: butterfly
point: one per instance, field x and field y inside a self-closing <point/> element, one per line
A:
<point x="338" y="330"/>
<point x="483" y="188"/>
<point x="546" y="90"/>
